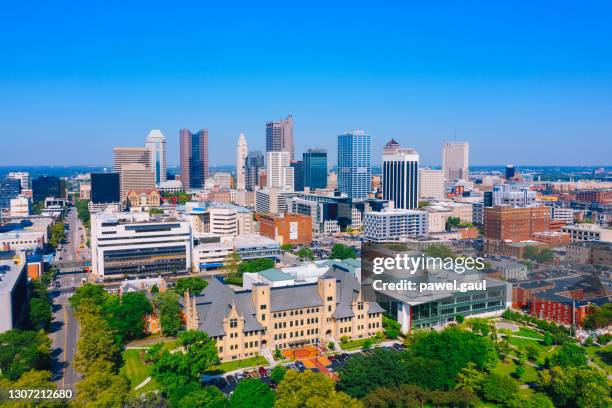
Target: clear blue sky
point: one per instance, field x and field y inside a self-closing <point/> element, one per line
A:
<point x="523" y="82"/>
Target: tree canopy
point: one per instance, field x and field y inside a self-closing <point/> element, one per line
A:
<point x="169" y="310"/>
<point x="194" y="284"/>
<point x="252" y="393"/>
<point x="340" y="251"/>
<point x="22" y="351"/>
<point x="310" y="390"/>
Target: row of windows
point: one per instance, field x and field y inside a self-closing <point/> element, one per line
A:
<point x="296" y="334"/>
<point x="282" y="325"/>
<point x="295" y="312"/>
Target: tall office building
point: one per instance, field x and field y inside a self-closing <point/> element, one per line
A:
<point x="136" y="176"/>
<point x="279" y="171"/>
<point x="510" y="172"/>
<point x="105" y="188"/>
<point x="431" y="184"/>
<point x="400" y="177"/>
<point x="156" y="143"/>
<point x="315" y="168"/>
<point x="9" y="189"/>
<point x="298" y="175"/>
<point x="22" y="176"/>
<point x="455" y="160"/>
<point x="194" y="158"/>
<point x="48" y="186"/>
<point x="279" y="136"/>
<point x="252" y="164"/>
<point x="131" y="155"/>
<point x="354" y="164"/>
<point x="241" y="154"/>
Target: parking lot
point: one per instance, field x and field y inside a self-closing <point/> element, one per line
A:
<point x="334" y="363"/>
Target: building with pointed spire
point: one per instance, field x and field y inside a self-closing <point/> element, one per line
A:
<point x="156" y="143"/>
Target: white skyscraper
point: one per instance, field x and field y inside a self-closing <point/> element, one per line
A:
<point x="400" y="177"/>
<point x="241" y="154"/>
<point x="156" y="143"/>
<point x="280" y="172"/>
<point x="455" y="160"/>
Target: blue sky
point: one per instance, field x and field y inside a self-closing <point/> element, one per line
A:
<point x="523" y="82"/>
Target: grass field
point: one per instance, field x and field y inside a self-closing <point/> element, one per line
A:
<point x="599" y="355"/>
<point x="136" y="370"/>
<point x="357" y="344"/>
<point x="236" y="364"/>
<point x="528" y="332"/>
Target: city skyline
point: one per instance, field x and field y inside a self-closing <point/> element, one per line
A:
<point x="423" y="77"/>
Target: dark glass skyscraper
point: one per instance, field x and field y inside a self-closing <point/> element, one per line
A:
<point x="47" y="186"/>
<point x="298" y="175"/>
<point x="194" y="158"/>
<point x="510" y="171"/>
<point x="9" y="188"/>
<point x="252" y="164"/>
<point x="315" y="168"/>
<point x="105" y="188"/>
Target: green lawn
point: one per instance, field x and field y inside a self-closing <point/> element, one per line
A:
<point x="357" y="344"/>
<point x="236" y="364"/>
<point x="135" y="369"/>
<point x="598" y="354"/>
<point x="507" y="368"/>
<point x="528" y="332"/>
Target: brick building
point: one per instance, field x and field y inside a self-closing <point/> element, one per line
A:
<point x="287" y="228"/>
<point x="594" y="196"/>
<point x="503" y="223"/>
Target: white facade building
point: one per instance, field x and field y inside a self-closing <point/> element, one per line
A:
<point x="20" y="206"/>
<point x="273" y="200"/>
<point x="156" y="143"/>
<point x="400" y="176"/>
<point x="431" y="184"/>
<point x="279" y="171"/>
<point x="562" y="214"/>
<point x="394" y="224"/>
<point x="455" y="160"/>
<point x="587" y="232"/>
<point x="138" y="245"/>
<point x="241" y="154"/>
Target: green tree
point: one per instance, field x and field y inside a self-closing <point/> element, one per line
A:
<point x="498" y="388"/>
<point x="548" y="339"/>
<point x="231" y="262"/>
<point x="278" y="373"/>
<point x="22" y="351"/>
<point x="535" y="400"/>
<point x="470" y="379"/>
<point x="286" y="247"/>
<point x="305" y="253"/>
<point x="480" y="325"/>
<point x="125" y="315"/>
<point x="255" y="265"/>
<point x="583" y="386"/>
<point x="40" y="312"/>
<point x="169" y="309"/>
<point x="90" y="294"/>
<point x="102" y="387"/>
<point x="531" y="252"/>
<point x="194" y="284"/>
<point x="252" y="393"/>
<point x="96" y="343"/>
<point x="452" y="222"/>
<point x="31" y="380"/>
<point x="568" y="355"/>
<point x="310" y="390"/>
<point x="207" y="397"/>
<point x="340" y="251"/>
<point x="598" y="317"/>
<point x="545" y="255"/>
<point x="362" y="374"/>
<point x="439" y="251"/>
<point x="148" y="400"/>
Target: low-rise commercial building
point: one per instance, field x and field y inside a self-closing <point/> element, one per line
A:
<point x="293" y="229"/>
<point x="589" y="252"/>
<point x="394" y="224"/>
<point x="587" y="232"/>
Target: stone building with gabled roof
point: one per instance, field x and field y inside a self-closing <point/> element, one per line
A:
<point x="245" y="322"/>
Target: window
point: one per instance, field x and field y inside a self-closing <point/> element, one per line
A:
<point x="263" y="307"/>
<point x="263" y="317"/>
<point x="233" y="323"/>
<point x="330" y="298"/>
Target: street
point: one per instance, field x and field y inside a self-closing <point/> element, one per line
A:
<point x="64" y="332"/>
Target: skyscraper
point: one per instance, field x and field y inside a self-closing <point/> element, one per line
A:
<point x="105" y="188"/>
<point x="315" y="168"/>
<point x="131" y="155"/>
<point x="156" y="143"/>
<point x="298" y="175"/>
<point x="510" y="172"/>
<point x="241" y="155"/>
<point x="9" y="189"/>
<point x="194" y="158"/>
<point x="279" y="171"/>
<point x="354" y="164"/>
<point x="135" y="176"/>
<point x="455" y="160"/>
<point x="252" y="164"/>
<point x="400" y="177"/>
<point x="47" y="186"/>
<point x="22" y="176"/>
<point x="279" y="136"/>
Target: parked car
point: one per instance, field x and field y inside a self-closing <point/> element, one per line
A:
<point x="262" y="372"/>
<point x="239" y="376"/>
<point x="221" y="382"/>
<point x="231" y="379"/>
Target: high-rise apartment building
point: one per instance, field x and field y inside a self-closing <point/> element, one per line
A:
<point x="254" y="162"/>
<point x="156" y="143"/>
<point x="194" y="158"/>
<point x="105" y="188"/>
<point x="315" y="168"/>
<point x="400" y="177"/>
<point x="354" y="164"/>
<point x="241" y="155"/>
<point x="455" y="160"/>
<point x="279" y="136"/>
<point x="431" y="184"/>
<point x="279" y="171"/>
<point x="135" y="176"/>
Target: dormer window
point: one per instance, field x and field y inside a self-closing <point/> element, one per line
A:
<point x="233" y="323"/>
